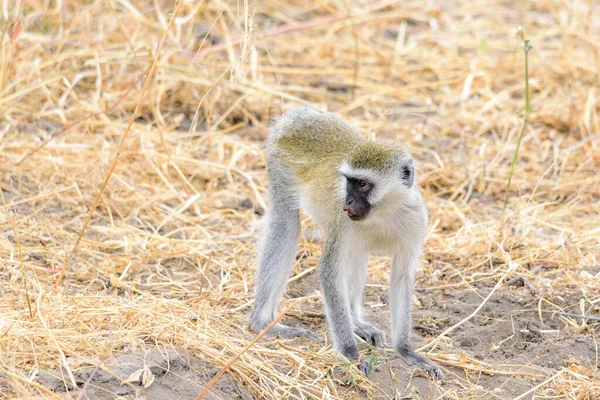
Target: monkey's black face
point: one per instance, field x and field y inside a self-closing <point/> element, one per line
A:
<point x="357" y="204"/>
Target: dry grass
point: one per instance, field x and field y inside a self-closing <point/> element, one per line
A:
<point x="176" y="215"/>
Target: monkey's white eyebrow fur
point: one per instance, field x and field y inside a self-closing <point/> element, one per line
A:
<point x="382" y="184"/>
<point x="358" y="173"/>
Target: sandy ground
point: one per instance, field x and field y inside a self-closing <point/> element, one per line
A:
<point x="507" y="332"/>
<point x="155" y="374"/>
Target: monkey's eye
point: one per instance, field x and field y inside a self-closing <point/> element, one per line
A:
<point x="363" y="185"/>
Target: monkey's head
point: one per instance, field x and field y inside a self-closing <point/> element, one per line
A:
<point x="374" y="176"/>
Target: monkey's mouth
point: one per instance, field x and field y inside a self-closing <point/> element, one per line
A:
<point x="353" y="214"/>
<point x="356" y="216"/>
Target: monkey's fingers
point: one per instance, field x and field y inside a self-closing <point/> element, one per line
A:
<point x="435" y="371"/>
<point x="412" y="358"/>
<point x="363" y="366"/>
<point x="370" y="334"/>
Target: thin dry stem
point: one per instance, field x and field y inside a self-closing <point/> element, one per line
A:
<point x="245" y="349"/>
<point x="19" y="249"/>
<point x="147" y="81"/>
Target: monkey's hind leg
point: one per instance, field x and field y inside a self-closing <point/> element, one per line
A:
<point x="356" y="274"/>
<point x="401" y="287"/>
<point x="277" y="253"/>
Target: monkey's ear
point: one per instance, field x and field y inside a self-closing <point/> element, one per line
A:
<point x="407" y="172"/>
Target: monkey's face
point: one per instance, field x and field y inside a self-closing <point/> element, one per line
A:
<point x="356" y="203"/>
<point x="376" y="192"/>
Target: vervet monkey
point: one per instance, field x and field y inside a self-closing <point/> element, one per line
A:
<point x="363" y="195"/>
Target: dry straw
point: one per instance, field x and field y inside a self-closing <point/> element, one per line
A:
<point x="136" y="130"/>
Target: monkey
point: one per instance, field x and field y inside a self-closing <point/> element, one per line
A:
<point x="363" y="195"/>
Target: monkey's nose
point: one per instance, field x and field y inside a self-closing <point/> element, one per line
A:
<point x="348" y="206"/>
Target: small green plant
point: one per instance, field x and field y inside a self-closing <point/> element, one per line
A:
<point x="483" y="44"/>
<point x="526" y="48"/>
<point x="352" y="379"/>
<point x="372" y="360"/>
<point x="348" y="368"/>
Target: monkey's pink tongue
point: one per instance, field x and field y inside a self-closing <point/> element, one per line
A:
<point x="349" y="210"/>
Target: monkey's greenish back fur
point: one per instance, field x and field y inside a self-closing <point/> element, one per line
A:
<point x="305" y="138"/>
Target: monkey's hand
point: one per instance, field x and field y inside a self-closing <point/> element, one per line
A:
<point x="412" y="358"/>
<point x="370" y="334"/>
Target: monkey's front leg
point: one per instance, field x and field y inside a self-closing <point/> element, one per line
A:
<point x="401" y="287"/>
<point x="337" y="305"/>
<point x="355" y="264"/>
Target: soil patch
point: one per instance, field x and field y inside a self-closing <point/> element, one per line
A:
<point x="154" y="374"/>
<point x="507" y="335"/>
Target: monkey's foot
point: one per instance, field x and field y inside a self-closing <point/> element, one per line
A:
<point x="412" y="358"/>
<point x="363" y="366"/>
<point x="290" y="332"/>
<point x="370" y="334"/>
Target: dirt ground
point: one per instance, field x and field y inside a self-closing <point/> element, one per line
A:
<point x="155" y="374"/>
<point x="507" y="335"/>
